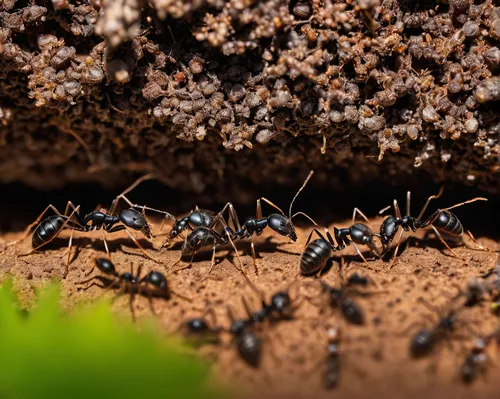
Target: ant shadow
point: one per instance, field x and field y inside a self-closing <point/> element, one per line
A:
<point x="96" y="244"/>
<point x="262" y="247"/>
<point x="429" y="241"/>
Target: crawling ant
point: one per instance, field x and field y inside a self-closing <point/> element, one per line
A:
<point x="49" y="228"/>
<point x="425" y="339"/>
<point x="248" y="344"/>
<point x="153" y="284"/>
<point x="339" y="297"/>
<point x="333" y="360"/>
<point x="318" y="252"/>
<point x="204" y="236"/>
<point x="200" y="330"/>
<point x="475" y="361"/>
<point x="441" y="220"/>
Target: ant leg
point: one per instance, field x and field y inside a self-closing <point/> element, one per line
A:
<point x="140" y="247"/>
<point x="55" y="235"/>
<point x="445" y="243"/>
<point x="252" y="247"/>
<point x="105" y="244"/>
<point x="329" y="240"/>
<point x="212" y="263"/>
<point x="149" y="176"/>
<point x="269" y="203"/>
<point x="242" y="271"/>
<point x="464" y="203"/>
<point x="37" y="221"/>
<point x="479" y="244"/>
<point x="358" y="211"/>
<point x="428" y="201"/>
<point x="395" y="253"/>
<point x="186" y="298"/>
<point x="359" y="252"/>
<point x="69" y="253"/>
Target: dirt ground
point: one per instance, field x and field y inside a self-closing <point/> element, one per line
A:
<point x="376" y="360"/>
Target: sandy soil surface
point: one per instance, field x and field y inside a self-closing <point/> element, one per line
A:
<point x="376" y="360"/>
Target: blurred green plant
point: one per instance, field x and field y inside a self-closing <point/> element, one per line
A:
<point x="89" y="353"/>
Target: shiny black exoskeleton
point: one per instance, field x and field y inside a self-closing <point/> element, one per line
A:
<point x="197" y="218"/>
<point x="201" y="237"/>
<point x="339" y="298"/>
<point x="441" y="220"/>
<point x="52" y="226"/>
<point x="318" y="252"/>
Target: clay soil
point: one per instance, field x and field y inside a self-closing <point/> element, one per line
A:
<point x="376" y="361"/>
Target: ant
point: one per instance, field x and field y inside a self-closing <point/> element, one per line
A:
<point x="200" y="330"/>
<point x="49" y="228"/>
<point x="153" y="284"/>
<point x="318" y="252"/>
<point x="425" y="339"/>
<point x="475" y="361"/>
<point x="333" y="361"/>
<point x="441" y="220"/>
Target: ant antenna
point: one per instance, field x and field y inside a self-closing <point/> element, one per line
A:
<point x="294" y="198"/>
<point x="298" y="192"/>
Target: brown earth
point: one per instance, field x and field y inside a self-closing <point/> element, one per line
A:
<point x="376" y="357"/>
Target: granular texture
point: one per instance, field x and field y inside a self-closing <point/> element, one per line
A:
<point x="199" y="90"/>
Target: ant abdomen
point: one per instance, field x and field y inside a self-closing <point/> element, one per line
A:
<point x="422" y="343"/>
<point x="449" y="223"/>
<point x="249" y="347"/>
<point x="315" y="256"/>
<point x="46" y="230"/>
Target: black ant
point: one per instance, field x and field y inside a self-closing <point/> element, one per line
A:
<point x="424" y="340"/>
<point x="49" y="228"/>
<point x="153" y="284"/>
<point x="318" y="252"/>
<point x="475" y="362"/>
<point x="199" y="329"/>
<point x="341" y="297"/>
<point x="280" y="223"/>
<point x="441" y="220"/>
<point x="333" y="360"/>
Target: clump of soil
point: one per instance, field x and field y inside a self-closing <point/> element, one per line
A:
<point x="91" y="90"/>
<point x="376" y="358"/>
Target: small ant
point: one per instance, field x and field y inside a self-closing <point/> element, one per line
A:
<point x="441" y="220"/>
<point x="425" y="339"/>
<point x="200" y="330"/>
<point x="333" y="360"/>
<point x="475" y="361"/>
<point x="339" y="297"/>
<point x="153" y="284"/>
<point x="318" y="252"/>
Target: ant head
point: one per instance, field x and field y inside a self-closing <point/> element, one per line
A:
<point x="135" y="220"/>
<point x="388" y="230"/>
<point x="237" y="327"/>
<point x="281" y="301"/>
<point x="178" y="227"/>
<point x="105" y="266"/>
<point x="128" y="277"/>
<point x="421" y="343"/>
<point x="282" y="225"/>
<point x="157" y="279"/>
<point x="198" y="325"/>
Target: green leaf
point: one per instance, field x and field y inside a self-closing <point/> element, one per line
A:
<point x="89" y="353"/>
